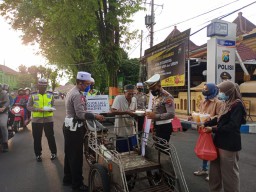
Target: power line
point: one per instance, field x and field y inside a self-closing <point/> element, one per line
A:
<point x="223" y="16"/>
<point x="196" y="16"/>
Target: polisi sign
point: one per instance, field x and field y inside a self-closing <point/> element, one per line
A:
<point x="225" y="58"/>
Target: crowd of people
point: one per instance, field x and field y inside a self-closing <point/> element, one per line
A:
<point x="7" y="101"/>
<point x="222" y="102"/>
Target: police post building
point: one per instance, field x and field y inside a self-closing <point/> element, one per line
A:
<point x="185" y="67"/>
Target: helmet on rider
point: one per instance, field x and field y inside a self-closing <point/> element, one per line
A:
<point x="6" y="87"/>
<point x="27" y="90"/>
<point x="20" y="91"/>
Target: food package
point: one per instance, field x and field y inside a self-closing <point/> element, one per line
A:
<point x="196" y="117"/>
<point x="203" y="117"/>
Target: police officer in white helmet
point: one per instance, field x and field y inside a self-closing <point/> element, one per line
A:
<point x="74" y="131"/>
<point x="40" y="104"/>
<point x="163" y="108"/>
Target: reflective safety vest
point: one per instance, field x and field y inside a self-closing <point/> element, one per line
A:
<point x="94" y="92"/>
<point x="41" y="101"/>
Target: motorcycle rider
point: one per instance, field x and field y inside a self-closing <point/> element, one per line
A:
<point x="11" y="116"/>
<point x="4" y="105"/>
<point x="21" y="100"/>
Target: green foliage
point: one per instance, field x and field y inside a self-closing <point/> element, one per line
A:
<point x="28" y="76"/>
<point x="76" y="35"/>
<point x="129" y="69"/>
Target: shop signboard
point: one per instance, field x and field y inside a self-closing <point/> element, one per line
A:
<point x="168" y="59"/>
<point x="170" y="64"/>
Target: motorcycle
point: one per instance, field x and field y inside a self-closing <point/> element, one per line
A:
<point x="21" y="119"/>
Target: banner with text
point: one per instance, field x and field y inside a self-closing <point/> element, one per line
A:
<point x="225" y="59"/>
<point x="97" y="104"/>
<point x="170" y="64"/>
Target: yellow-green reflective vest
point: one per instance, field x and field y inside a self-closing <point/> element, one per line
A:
<point x="95" y="92"/>
<point x="41" y="101"/>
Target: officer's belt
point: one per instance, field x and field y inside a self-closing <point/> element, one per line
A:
<point x="71" y="125"/>
<point x="161" y="122"/>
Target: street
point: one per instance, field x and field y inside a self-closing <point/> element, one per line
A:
<point x="20" y="172"/>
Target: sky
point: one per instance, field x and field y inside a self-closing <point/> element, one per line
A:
<point x="167" y="14"/>
<point x="174" y="12"/>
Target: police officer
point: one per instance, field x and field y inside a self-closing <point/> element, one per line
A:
<point x="163" y="108"/>
<point x="141" y="98"/>
<point x="40" y="104"/>
<point x="74" y="131"/>
<point x="93" y="91"/>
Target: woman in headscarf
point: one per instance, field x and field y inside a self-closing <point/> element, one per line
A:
<point x="210" y="105"/>
<point x="227" y="139"/>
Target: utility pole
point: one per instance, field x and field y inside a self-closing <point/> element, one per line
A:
<point x="152" y="24"/>
<point x="150" y="21"/>
<point x="140" y="72"/>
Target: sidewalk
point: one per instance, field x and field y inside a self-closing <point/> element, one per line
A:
<point x="249" y="127"/>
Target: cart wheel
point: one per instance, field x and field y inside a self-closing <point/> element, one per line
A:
<point x="169" y="180"/>
<point x="99" y="179"/>
<point x="154" y="177"/>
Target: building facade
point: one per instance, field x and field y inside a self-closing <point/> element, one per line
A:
<point x="8" y="76"/>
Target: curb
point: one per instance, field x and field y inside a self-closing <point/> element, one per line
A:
<point x="245" y="128"/>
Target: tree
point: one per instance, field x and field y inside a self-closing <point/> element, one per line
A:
<point x="75" y="35"/>
<point x="129" y="69"/>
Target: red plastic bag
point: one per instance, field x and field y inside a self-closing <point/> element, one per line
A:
<point x="205" y="148"/>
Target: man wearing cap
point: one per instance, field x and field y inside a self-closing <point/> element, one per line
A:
<point x="141" y="104"/>
<point x="163" y="108"/>
<point x="74" y="131"/>
<point x="93" y="91"/>
<point x="4" y="105"/>
<point x="123" y="107"/>
<point x="40" y="104"/>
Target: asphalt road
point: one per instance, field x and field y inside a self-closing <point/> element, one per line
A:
<point x="20" y="172"/>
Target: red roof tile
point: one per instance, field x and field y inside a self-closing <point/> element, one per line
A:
<point x="245" y="52"/>
<point x="8" y="70"/>
<point x="244" y="26"/>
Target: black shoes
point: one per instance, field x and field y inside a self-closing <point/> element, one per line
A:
<point x="82" y="188"/>
<point x="38" y="158"/>
<point x="53" y="156"/>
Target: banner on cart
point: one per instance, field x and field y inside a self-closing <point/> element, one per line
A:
<point x="97" y="104"/>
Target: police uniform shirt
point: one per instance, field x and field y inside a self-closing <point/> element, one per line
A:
<point x="163" y="106"/>
<point x="141" y="100"/>
<point x="76" y="105"/>
<point x="30" y="107"/>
